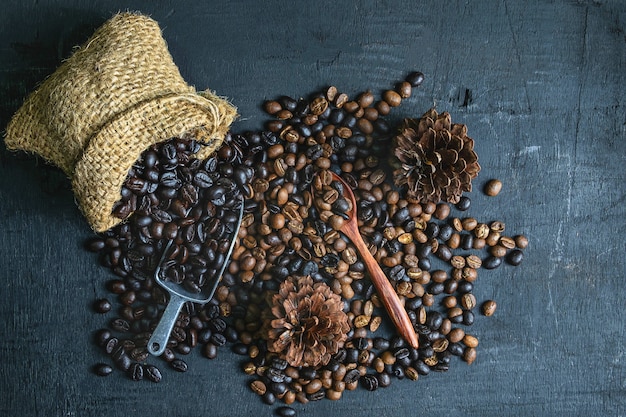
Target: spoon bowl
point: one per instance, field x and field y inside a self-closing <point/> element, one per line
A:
<point x="179" y="296"/>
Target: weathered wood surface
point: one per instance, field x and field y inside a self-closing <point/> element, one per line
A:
<point x="541" y="86"/>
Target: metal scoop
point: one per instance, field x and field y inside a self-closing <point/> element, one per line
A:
<point x="179" y="296"/>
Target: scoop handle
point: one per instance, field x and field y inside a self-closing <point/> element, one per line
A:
<point x="161" y="335"/>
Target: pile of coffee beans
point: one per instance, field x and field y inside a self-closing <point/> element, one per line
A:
<point x="291" y="226"/>
<point x="194" y="205"/>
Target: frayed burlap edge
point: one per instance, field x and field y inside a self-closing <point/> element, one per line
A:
<point x="103" y="167"/>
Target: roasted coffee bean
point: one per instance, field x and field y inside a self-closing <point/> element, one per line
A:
<point x="415" y="79"/>
<point x="463" y="204"/>
<point x="110" y="345"/>
<point x="152" y="373"/>
<point x="120" y="325"/>
<point x="285" y="411"/>
<point x="370" y="382"/>
<point x="515" y="257"/>
<point x="493" y="187"/>
<point x="492" y="262"/>
<point x="352" y="376"/>
<point x="316" y="396"/>
<point x="392" y="98"/>
<point x="123" y="362"/>
<point x="103" y="369"/>
<point x="102" y="306"/>
<point x="102" y="336"/>
<point x="489" y="307"/>
<point x="179" y="365"/>
<point x="135" y="372"/>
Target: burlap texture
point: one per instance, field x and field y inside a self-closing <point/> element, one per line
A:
<point x="113" y="98"/>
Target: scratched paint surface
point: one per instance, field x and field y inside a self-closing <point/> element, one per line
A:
<point x="540" y="86"/>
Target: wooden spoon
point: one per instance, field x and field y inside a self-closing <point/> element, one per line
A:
<point x="385" y="290"/>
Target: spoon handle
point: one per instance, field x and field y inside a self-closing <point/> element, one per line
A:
<point x="161" y="335"/>
<point x="385" y="290"/>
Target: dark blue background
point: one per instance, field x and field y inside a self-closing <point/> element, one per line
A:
<point x="540" y="85"/>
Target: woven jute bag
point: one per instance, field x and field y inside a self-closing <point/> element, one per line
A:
<point x="117" y="95"/>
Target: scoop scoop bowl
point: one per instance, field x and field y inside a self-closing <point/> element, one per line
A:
<point x="179" y="296"/>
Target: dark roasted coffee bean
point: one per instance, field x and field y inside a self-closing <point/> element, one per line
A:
<point x="95" y="245"/>
<point x="179" y="365"/>
<point x="218" y="339"/>
<point x="269" y="398"/>
<point x="352" y="355"/>
<point x="102" y="369"/>
<point x="492" y="262"/>
<point x="110" y="345"/>
<point x="135" y="372"/>
<point x="415" y="79"/>
<point x="217" y="324"/>
<point x="279" y="364"/>
<point x="384" y="380"/>
<point x="123" y="362"/>
<point x="278" y="388"/>
<point x="152" y="373"/>
<point x="316" y="396"/>
<point x="515" y="257"/>
<point x="275" y="375"/>
<point x="445" y="231"/>
<point x="102" y="306"/>
<point x="401" y="353"/>
<point x="465" y="287"/>
<point x="183" y="349"/>
<point x="456" y="349"/>
<point x="381" y="343"/>
<point x="360" y="343"/>
<point x="285" y="411"/>
<point x="202" y="179"/>
<point x="463" y="204"/>
<point x="468" y="317"/>
<point x="432" y="230"/>
<point x="240" y="348"/>
<point x="370" y="382"/>
<point x="102" y="336"/>
<point x="352" y="376"/>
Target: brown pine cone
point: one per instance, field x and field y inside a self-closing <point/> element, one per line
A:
<point x="437" y="158"/>
<point x="307" y="324"/>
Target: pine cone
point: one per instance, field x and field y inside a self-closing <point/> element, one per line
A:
<point x="307" y="324"/>
<point x="437" y="158"/>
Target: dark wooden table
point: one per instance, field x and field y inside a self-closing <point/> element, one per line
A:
<point x="541" y="86"/>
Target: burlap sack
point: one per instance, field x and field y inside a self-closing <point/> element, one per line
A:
<point x="114" y="97"/>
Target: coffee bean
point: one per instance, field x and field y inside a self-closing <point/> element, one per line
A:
<point x="515" y="257"/>
<point x="103" y="369"/>
<point x="152" y="373"/>
<point x="488" y="308"/>
<point x="492" y="262"/>
<point x="102" y="306"/>
<point x="463" y="204"/>
<point x="415" y="79"/>
<point x="123" y="362"/>
<point x="179" y="365"/>
<point x="493" y="187"/>
<point x="285" y="411"/>
<point x="370" y="382"/>
<point x="352" y="376"/>
<point x="135" y="372"/>
<point x="392" y="98"/>
<point x="272" y="107"/>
